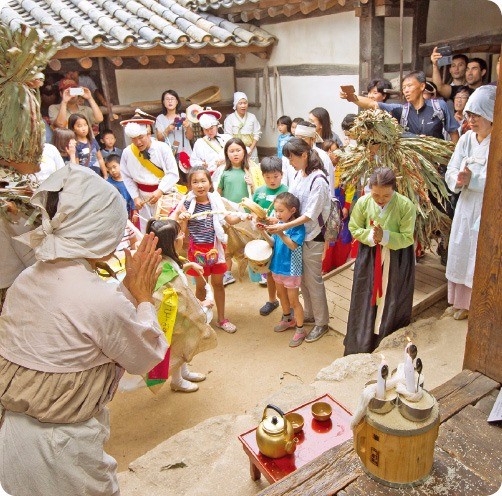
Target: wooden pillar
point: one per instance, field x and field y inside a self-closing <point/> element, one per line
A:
<point x="483" y="350"/>
<point x="371" y="45"/>
<point x="109" y="85"/>
<point x="419" y="34"/>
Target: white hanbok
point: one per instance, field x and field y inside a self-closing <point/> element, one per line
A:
<point x="464" y="230"/>
<point x="246" y="128"/>
<point x="133" y="173"/>
<point x="207" y="152"/>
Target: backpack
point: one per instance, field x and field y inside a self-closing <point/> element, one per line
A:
<point x="438" y="112"/>
<point x="333" y="225"/>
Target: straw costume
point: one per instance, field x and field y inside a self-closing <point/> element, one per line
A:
<point x="65" y="338"/>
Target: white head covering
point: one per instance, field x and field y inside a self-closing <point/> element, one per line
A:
<point x="307" y="132"/>
<point x="239" y="95"/>
<point x="133" y="129"/>
<point x="207" y="120"/>
<point x="482" y="102"/>
<point x="90" y="219"/>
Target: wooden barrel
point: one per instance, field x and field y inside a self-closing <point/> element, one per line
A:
<point x="395" y="451"/>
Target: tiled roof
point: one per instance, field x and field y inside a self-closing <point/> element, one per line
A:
<point x="119" y="24"/>
<point x="214" y="4"/>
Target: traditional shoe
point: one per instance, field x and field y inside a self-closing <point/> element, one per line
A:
<point x="191" y="376"/>
<point x="297" y="339"/>
<point x="284" y="325"/>
<point x="316" y="333"/>
<point x="449" y="311"/>
<point x="461" y="314"/>
<point x="226" y="326"/>
<point x="228" y="278"/>
<point x="184" y="386"/>
<point x="269" y="307"/>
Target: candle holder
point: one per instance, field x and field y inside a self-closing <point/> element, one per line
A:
<point x="385" y="405"/>
<point x="419" y="411"/>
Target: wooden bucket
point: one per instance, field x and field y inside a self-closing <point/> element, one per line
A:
<point x="210" y="94"/>
<point x="395" y="451"/>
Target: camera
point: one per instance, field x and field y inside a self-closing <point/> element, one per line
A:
<point x="446" y="53"/>
<point x="76" y="91"/>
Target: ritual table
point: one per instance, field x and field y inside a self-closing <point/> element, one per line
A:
<point x="315" y="438"/>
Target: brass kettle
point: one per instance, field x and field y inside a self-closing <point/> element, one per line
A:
<point x="274" y="435"/>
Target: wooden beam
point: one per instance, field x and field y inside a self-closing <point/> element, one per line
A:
<point x="143" y="59"/>
<point x="116" y="61"/>
<point x="464" y="43"/>
<point x="328" y="4"/>
<point x="419" y="33"/>
<point x="260" y="14"/>
<point x="170" y="59"/>
<point x="265" y="4"/>
<point x="371" y="46"/>
<point x="275" y="11"/>
<point x="195" y="58"/>
<point x="106" y="87"/>
<point x="290" y="10"/>
<point x="109" y="84"/>
<point x="391" y="11"/>
<point x="85" y="62"/>
<point x="301" y="70"/>
<point x="247" y="15"/>
<point x="483" y="349"/>
<point x="219" y="58"/>
<point x="308" y="6"/>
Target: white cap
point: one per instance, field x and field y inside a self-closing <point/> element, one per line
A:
<point x="238" y="96"/>
<point x="133" y="129"/>
<point x="206" y="121"/>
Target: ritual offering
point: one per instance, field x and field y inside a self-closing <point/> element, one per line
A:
<point x="296" y="420"/>
<point x="395" y="432"/>
<point x="259" y="254"/>
<point x="321" y="411"/>
<point x="275" y="435"/>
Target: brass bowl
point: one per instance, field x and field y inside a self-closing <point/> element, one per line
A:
<point x="321" y="411"/>
<point x="296" y="421"/>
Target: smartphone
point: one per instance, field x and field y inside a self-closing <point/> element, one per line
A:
<point x="446" y="53"/>
<point x="76" y="91"/>
<point x="350" y="91"/>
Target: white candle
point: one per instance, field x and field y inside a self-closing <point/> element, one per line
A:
<point x="380" y="390"/>
<point x="409" y="374"/>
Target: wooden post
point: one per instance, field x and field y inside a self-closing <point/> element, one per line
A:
<point x="419" y="34"/>
<point x="371" y="45"/>
<point x="109" y="85"/>
<point x="483" y="349"/>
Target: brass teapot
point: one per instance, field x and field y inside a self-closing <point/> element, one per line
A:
<point x="274" y="435"/>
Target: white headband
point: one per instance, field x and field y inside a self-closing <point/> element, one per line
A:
<point x="239" y="95"/>
<point x="133" y="129"/>
<point x="307" y="132"/>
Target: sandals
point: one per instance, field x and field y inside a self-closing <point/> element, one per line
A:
<point x="226" y="326"/>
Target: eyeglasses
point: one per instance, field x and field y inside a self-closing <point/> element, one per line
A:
<point x="470" y="116"/>
<point x="170" y="99"/>
<point x="459" y="97"/>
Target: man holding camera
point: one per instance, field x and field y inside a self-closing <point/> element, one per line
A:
<point x="70" y="93"/>
<point x="463" y="71"/>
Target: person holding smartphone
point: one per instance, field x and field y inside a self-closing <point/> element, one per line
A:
<point x="70" y="93"/>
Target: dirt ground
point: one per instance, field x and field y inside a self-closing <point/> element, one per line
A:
<point x="244" y="368"/>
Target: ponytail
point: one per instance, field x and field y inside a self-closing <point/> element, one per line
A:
<point x="314" y="162"/>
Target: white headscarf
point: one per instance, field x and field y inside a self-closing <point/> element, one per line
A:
<point x="207" y="120"/>
<point x="239" y="95"/>
<point x="90" y="219"/>
<point x="307" y="132"/>
<point x="482" y="102"/>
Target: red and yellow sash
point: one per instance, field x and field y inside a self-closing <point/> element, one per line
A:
<point x="147" y="164"/>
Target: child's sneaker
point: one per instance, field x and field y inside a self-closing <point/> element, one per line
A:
<point x="285" y="324"/>
<point x="297" y="339"/>
<point x="263" y="280"/>
<point x="228" y="278"/>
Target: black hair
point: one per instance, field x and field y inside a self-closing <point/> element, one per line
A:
<point x="113" y="157"/>
<point x="105" y="132"/>
<point x="285" y="119"/>
<point x="348" y="122"/>
<point x="290" y="201"/>
<point x="297" y="147"/>
<point x="73" y="120"/>
<point x="271" y="164"/>
<point x="380" y="85"/>
<point x="236" y="141"/>
<point x="198" y="168"/>
<point x="383" y="176"/>
<point x="322" y="116"/>
<point x="297" y="120"/>
<point x="166" y="231"/>
<point x="482" y="64"/>
<point x="418" y="75"/>
<point x="327" y="144"/>
<point x="60" y="139"/>
<point x="461" y="56"/>
<point x="460" y="89"/>
<point x="172" y="93"/>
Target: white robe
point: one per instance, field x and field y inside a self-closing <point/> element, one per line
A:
<point x="232" y="126"/>
<point x="133" y="173"/>
<point x="464" y="230"/>
<point x="203" y="153"/>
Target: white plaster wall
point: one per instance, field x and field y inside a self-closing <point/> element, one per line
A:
<point x="148" y="84"/>
<point x="392" y="42"/>
<point x="331" y="39"/>
<point x="449" y="18"/>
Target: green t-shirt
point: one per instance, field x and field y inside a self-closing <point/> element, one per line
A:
<point x="264" y="196"/>
<point x="233" y="186"/>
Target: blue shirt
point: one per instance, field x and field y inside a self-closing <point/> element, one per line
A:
<point x="116" y="151"/>
<point x="424" y="120"/>
<point x="123" y="191"/>
<point x="87" y="153"/>
<point x="281" y="141"/>
<point x="287" y="262"/>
